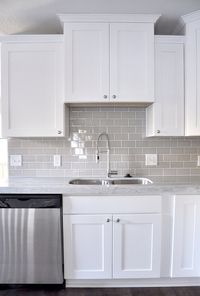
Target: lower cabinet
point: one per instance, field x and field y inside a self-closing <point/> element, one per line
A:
<point x="136" y="246"/>
<point x="88" y="246"/>
<point x="112" y="246"/>
<point x="186" y="236"/>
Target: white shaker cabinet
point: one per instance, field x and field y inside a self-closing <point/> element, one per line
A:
<point x="165" y="117"/>
<point x="86" y="62"/>
<point x="32" y="86"/>
<point x="106" y="247"/>
<point x="192" y="74"/>
<point x="88" y="246"/>
<point x="109" y="58"/>
<point x="186" y="237"/>
<point x="136" y="246"/>
<point x="132" y="62"/>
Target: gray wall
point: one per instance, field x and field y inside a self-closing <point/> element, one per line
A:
<point x="177" y="157"/>
<point x="39" y="16"/>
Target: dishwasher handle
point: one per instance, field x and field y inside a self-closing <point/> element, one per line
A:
<point x="28" y="201"/>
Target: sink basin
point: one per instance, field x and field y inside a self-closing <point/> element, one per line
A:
<point x="132" y="181"/>
<point x="86" y="182"/>
<point x="111" y="181"/>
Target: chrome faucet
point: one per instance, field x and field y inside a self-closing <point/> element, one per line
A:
<point x="104" y="151"/>
<point x="98" y="151"/>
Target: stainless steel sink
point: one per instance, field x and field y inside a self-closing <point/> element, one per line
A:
<point x="132" y="181"/>
<point x="86" y="182"/>
<point x="111" y="181"/>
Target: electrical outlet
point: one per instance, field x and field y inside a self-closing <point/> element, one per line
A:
<point x="198" y="160"/>
<point x="57" y="160"/>
<point x="151" y="159"/>
<point x="15" y="160"/>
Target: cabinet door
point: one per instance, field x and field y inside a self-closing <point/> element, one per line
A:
<point x="32" y="90"/>
<point x="87" y="62"/>
<point x="136" y="246"/>
<point x="192" y="79"/>
<point x="166" y="116"/>
<point x="0" y="97"/>
<point x="186" y="238"/>
<point x="132" y="62"/>
<point x="87" y="246"/>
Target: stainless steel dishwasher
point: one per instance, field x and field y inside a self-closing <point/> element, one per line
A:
<point x="30" y="239"/>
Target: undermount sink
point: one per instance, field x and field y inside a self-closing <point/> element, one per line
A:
<point x="111" y="181"/>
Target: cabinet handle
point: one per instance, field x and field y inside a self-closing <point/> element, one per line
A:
<point x="158" y="131"/>
<point x="59" y="132"/>
<point x="105" y="96"/>
<point x="108" y="220"/>
<point x="118" y="220"/>
<point x="114" y="96"/>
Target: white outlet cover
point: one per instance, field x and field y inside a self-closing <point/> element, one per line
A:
<point x="198" y="160"/>
<point x="57" y="160"/>
<point x="151" y="159"/>
<point x="15" y="160"/>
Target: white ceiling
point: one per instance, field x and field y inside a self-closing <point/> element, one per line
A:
<point x="39" y="16"/>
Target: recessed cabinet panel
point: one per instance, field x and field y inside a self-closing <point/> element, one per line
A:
<point x="87" y="62"/>
<point x="136" y="246"/>
<point x="88" y="246"/>
<point x="186" y="240"/>
<point x="132" y="62"/>
<point x="32" y="89"/>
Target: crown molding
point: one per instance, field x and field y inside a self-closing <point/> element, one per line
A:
<point x="191" y="17"/>
<point x="109" y="18"/>
<point x="32" y="38"/>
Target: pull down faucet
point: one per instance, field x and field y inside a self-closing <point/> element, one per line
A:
<point x="104" y="151"/>
<point x="98" y="151"/>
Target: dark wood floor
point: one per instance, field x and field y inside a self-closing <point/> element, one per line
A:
<point x="57" y="291"/>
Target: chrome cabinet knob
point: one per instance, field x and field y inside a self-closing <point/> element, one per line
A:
<point x="108" y="220"/>
<point x="59" y="132"/>
<point x="105" y="96"/>
<point x="118" y="220"/>
<point x="114" y="96"/>
<point x="158" y="131"/>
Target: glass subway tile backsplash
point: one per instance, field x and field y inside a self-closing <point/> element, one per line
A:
<point x="177" y="157"/>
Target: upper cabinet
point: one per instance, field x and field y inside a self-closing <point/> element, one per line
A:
<point x="86" y="62"/>
<point x="132" y="62"/>
<point x="32" y="86"/>
<point x="192" y="74"/>
<point x="109" y="58"/>
<point x="166" y="116"/>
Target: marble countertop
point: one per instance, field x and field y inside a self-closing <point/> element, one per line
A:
<point x="61" y="186"/>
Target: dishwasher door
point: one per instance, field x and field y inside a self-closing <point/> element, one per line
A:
<point x="30" y="246"/>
